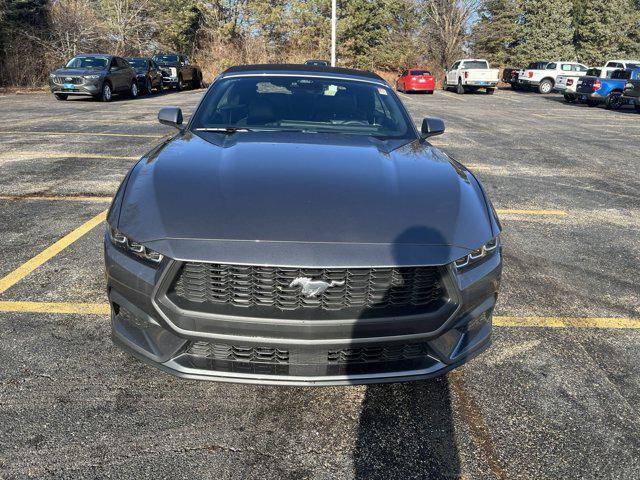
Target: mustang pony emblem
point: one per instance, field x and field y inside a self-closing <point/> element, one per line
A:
<point x="311" y="287"/>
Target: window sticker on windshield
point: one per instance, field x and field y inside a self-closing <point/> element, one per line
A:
<point x="382" y="91"/>
<point x="331" y="90"/>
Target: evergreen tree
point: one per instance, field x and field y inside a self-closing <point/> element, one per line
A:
<point x="607" y="30"/>
<point x="547" y="31"/>
<point x="497" y="32"/>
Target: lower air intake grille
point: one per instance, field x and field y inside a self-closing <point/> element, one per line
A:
<point x="238" y="353"/>
<point x="378" y="354"/>
<point x="352" y="288"/>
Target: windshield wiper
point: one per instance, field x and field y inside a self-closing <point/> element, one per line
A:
<point x="227" y="130"/>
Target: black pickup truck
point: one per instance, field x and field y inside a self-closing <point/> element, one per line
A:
<point x="510" y="76"/>
<point x="177" y="72"/>
<point x="631" y="93"/>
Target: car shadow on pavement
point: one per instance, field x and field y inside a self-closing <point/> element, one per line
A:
<point x="406" y="429"/>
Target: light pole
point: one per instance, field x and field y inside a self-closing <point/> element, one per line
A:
<point x="334" y="8"/>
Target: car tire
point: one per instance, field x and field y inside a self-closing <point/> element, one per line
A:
<point x="429" y="92"/>
<point x="570" y="98"/>
<point x="614" y="101"/>
<point x="148" y="87"/>
<point x="637" y="107"/>
<point x="197" y="81"/>
<point x="61" y="96"/>
<point x="592" y="103"/>
<point x="545" y="86"/>
<point x="179" y="85"/>
<point x="491" y="91"/>
<point x="106" y="94"/>
<point x="459" y="88"/>
<point x="133" y="90"/>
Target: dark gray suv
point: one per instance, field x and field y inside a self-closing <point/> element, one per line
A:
<point x="96" y="75"/>
<point x="300" y="230"/>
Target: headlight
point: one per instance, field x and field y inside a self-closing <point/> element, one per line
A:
<point x="478" y="254"/>
<point x="92" y="77"/>
<point x="133" y="247"/>
<point x="52" y="75"/>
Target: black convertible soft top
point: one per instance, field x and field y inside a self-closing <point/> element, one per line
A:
<point x="294" y="67"/>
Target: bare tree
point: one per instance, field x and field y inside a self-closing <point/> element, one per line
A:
<point x="447" y="24"/>
<point x="127" y="25"/>
<point x="74" y="28"/>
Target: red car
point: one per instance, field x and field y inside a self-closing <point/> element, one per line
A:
<point x="416" y="80"/>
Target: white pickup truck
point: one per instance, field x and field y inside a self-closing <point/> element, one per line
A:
<point x="470" y="74"/>
<point x="613" y="65"/>
<point x="566" y="84"/>
<point x="543" y="77"/>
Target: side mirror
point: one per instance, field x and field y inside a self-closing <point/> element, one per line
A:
<point x="171" y="116"/>
<point x="432" y="126"/>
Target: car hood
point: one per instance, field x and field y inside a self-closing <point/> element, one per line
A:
<point x="75" y="72"/>
<point x="254" y="198"/>
<point x="168" y="64"/>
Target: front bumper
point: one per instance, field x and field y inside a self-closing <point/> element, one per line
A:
<point x="296" y="353"/>
<point x="90" y="89"/>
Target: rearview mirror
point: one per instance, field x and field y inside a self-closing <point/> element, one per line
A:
<point x="171" y="116"/>
<point x="432" y="126"/>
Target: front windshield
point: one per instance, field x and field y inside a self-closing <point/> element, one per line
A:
<point x="90" y="63"/>
<point x="137" y="62"/>
<point x="306" y="104"/>
<point x="165" y="58"/>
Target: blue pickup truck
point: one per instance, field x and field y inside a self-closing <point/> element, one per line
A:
<point x="596" y="90"/>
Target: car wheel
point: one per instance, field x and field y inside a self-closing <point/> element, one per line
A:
<point x="637" y="107"/>
<point x="460" y="89"/>
<point x="180" y="85"/>
<point x="197" y="81"/>
<point x="148" y="88"/>
<point x="545" y="86"/>
<point x="592" y="103"/>
<point x="106" y="94"/>
<point x="491" y="91"/>
<point x="133" y="90"/>
<point x="614" y="101"/>
<point x="569" y="97"/>
<point x="61" y="96"/>
<point x="430" y="92"/>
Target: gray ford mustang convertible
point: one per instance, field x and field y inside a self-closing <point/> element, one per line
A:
<point x="300" y="230"/>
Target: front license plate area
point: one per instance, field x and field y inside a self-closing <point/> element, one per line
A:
<point x="68" y="86"/>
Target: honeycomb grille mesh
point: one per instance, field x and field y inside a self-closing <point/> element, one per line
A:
<point x="255" y="286"/>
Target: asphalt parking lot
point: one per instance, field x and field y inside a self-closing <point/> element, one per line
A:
<point x="556" y="396"/>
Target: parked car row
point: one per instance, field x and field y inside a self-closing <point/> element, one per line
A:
<point x="613" y="85"/>
<point x="466" y="75"/>
<point x="101" y="76"/>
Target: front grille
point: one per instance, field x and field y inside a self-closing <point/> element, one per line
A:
<point x="238" y="353"/>
<point x="378" y="354"/>
<point x="69" y="80"/>
<point x="221" y="285"/>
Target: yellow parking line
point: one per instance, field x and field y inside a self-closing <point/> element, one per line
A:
<point x="531" y="212"/>
<point x="49" y="252"/>
<point x="55" y="307"/>
<point x="567" y="322"/>
<point x="90" y="134"/>
<point x="498" y="321"/>
<point x="66" y="198"/>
